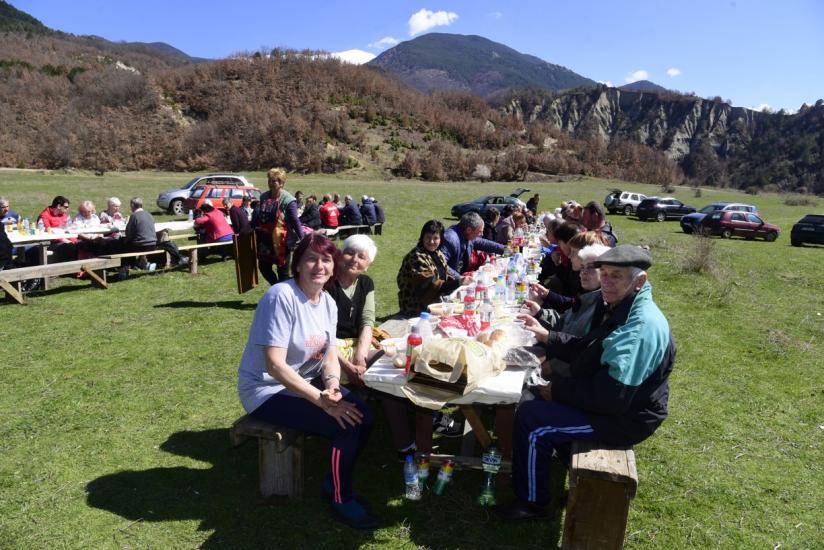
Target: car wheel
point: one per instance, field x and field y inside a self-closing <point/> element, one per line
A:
<point x="687" y="229"/>
<point x="795" y="242"/>
<point x="628" y="210"/>
<point x="176" y="207"/>
<point x="661" y="216"/>
<point x="726" y="233"/>
<point x="771" y="236"/>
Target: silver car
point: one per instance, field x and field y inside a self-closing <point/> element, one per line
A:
<point x="171" y="200"/>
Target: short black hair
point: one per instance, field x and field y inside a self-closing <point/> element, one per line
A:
<point x="59" y="200"/>
<point x="432" y="226"/>
<point x="566" y="231"/>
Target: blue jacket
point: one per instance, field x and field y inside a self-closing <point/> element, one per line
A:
<point x="458" y="250"/>
<point x="350" y="215"/>
<point x="368" y="214"/>
<point x="619" y="371"/>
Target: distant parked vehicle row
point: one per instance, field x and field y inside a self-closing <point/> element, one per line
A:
<point x="691" y="222"/>
<point x="662" y="208"/>
<point x="809" y="229"/>
<point x="623" y="201"/>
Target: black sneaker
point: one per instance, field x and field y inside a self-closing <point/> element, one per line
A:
<point x="32" y="285"/>
<point x="446" y="426"/>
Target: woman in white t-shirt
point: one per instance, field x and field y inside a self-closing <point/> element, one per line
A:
<point x="289" y="374"/>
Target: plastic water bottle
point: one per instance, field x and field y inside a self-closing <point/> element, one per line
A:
<point x="486" y="312"/>
<point x="423" y="470"/>
<point x="41" y="227"/>
<point x="410" y="478"/>
<point x="425" y="327"/>
<point x="500" y="289"/>
<point x="191" y="216"/>
<point x="491" y="460"/>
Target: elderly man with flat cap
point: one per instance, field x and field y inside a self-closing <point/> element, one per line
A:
<point x="616" y="391"/>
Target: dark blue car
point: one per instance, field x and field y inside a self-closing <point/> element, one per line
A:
<point x="482" y="204"/>
<point x="809" y="229"/>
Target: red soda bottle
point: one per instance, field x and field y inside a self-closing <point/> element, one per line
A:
<point x="414" y="339"/>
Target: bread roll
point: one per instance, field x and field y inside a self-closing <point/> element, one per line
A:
<point x="497" y="336"/>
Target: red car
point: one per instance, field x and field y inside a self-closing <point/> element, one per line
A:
<point x="739" y="224"/>
<point x="215" y="193"/>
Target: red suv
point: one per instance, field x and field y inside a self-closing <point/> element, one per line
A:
<point x="215" y="193"/>
<point x="739" y="224"/>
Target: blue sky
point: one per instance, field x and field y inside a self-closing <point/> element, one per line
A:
<point x="753" y="52"/>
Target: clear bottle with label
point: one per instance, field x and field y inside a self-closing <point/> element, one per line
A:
<point x="410" y="478"/>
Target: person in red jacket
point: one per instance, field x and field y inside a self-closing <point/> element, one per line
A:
<point x="212" y="228"/>
<point x="329" y="213"/>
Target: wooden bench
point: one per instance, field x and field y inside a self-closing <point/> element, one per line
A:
<point x="280" y="456"/>
<point x="348" y="230"/>
<point x="602" y="483"/>
<point x="94" y="268"/>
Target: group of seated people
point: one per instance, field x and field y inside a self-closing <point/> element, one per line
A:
<point x="331" y="212"/>
<point x="609" y="348"/>
<point x="138" y="235"/>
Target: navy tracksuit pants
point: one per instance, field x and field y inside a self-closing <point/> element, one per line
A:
<point x="286" y="408"/>
<point x="541" y="427"/>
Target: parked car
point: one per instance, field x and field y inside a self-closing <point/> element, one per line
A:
<point x="487" y="202"/>
<point x="809" y="229"/>
<point x="666" y="208"/>
<point x="215" y="193"/>
<point x="623" y="201"/>
<point x="738" y="224"/>
<point x="172" y="200"/>
<point x="690" y="222"/>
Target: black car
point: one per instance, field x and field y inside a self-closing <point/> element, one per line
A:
<point x="809" y="229"/>
<point x="482" y="204"/>
<point x="666" y="208"/>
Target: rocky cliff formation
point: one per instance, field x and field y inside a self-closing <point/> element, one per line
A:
<point x="671" y="123"/>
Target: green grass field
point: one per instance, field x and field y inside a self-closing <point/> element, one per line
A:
<point x="115" y="404"/>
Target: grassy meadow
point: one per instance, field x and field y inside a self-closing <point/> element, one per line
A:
<point x="115" y="404"/>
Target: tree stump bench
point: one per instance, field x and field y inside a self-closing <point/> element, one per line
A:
<point x="280" y="456"/>
<point x="602" y="483"/>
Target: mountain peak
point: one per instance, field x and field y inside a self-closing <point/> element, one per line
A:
<point x="642" y="86"/>
<point x="472" y="63"/>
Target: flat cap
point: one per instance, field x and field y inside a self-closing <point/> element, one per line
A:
<point x="625" y="255"/>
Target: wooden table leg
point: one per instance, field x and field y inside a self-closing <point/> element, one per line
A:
<point x="477" y="425"/>
<point x="44" y="257"/>
<point x="423" y="430"/>
<point x="504" y="422"/>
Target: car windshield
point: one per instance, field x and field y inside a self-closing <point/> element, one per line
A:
<point x="812" y="218"/>
<point x="191" y="183"/>
<point x="711" y="208"/>
<point x="196" y="192"/>
<point x="483" y="199"/>
<point x="649" y="202"/>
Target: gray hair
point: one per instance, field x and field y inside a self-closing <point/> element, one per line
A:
<point x="472" y="220"/>
<point x="592" y="252"/>
<point x="635" y="272"/>
<point x="136" y="202"/>
<point x="113" y="201"/>
<point x="4" y="200"/>
<point x="361" y="243"/>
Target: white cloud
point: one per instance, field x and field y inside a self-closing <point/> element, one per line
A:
<point x="674" y="71"/>
<point x="605" y="83"/>
<point x="355" y="57"/>
<point x="637" y="75"/>
<point x="384" y="42"/>
<point x="424" y="20"/>
<point x="762" y="107"/>
<point x="495" y="15"/>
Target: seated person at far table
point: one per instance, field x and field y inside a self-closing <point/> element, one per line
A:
<point x="350" y="214"/>
<point x="112" y="212"/>
<point x="86" y="214"/>
<point x="311" y="213"/>
<point x="424" y="276"/>
<point x="289" y="374"/>
<point x="460" y="240"/>
<point x="237" y="217"/>
<point x="329" y="213"/>
<point x="354" y="293"/>
<point x="617" y="389"/>
<point x="7" y="215"/>
<point x="55" y="216"/>
<point x="212" y="227"/>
